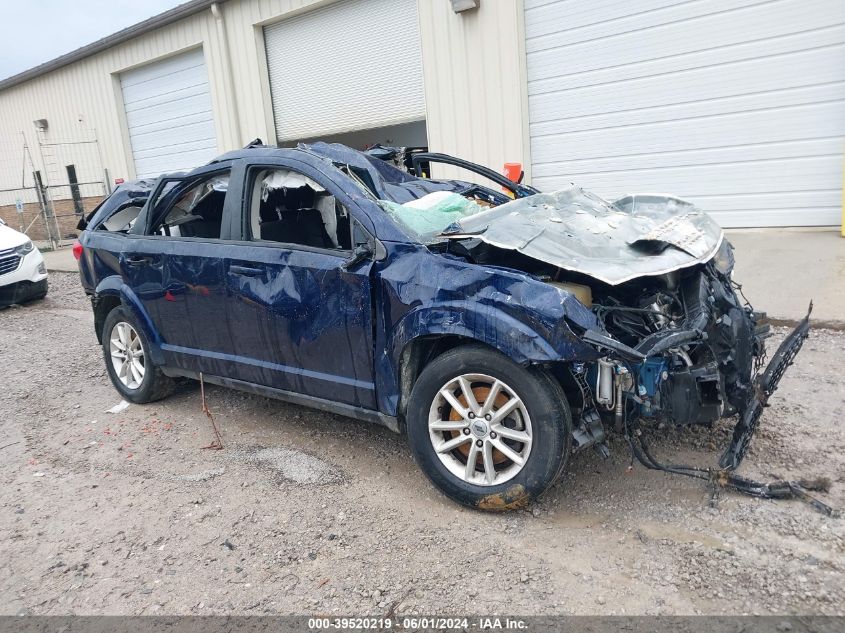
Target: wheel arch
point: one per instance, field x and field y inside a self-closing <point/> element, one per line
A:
<point x="441" y="327"/>
<point x="103" y="305"/>
<point x="420" y="351"/>
<point x="551" y="421"/>
<point x="113" y="292"/>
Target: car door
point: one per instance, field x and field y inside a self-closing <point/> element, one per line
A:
<point x="174" y="264"/>
<point x="301" y="309"/>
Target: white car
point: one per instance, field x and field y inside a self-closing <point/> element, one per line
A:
<point x="23" y="276"/>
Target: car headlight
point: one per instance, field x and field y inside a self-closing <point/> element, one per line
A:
<point x="723" y="260"/>
<point x="24" y="249"/>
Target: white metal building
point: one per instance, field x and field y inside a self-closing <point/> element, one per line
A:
<point x="738" y="105"/>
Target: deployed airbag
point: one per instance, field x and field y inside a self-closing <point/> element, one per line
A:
<point x="427" y="216"/>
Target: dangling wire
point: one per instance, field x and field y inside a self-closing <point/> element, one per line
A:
<point x="217" y="444"/>
<point x="722" y="478"/>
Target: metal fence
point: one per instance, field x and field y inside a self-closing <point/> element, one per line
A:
<point x="52" y="184"/>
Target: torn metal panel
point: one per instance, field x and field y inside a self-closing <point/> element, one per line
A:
<point x="576" y="230"/>
<point x="425" y="294"/>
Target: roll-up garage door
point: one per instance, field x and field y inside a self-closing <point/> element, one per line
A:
<point x="168" y="112"/>
<point x="737" y="105"/>
<point x="351" y="65"/>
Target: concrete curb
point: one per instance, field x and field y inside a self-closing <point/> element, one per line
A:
<point x="815" y="324"/>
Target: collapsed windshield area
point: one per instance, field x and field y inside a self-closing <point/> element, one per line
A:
<point x="427" y="217"/>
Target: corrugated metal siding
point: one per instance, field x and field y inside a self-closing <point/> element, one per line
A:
<point x="473" y="71"/>
<point x="734" y="104"/>
<point x="329" y="72"/>
<point x="244" y="21"/>
<point x="168" y="114"/>
<point x="475" y="88"/>
<point x="85" y="96"/>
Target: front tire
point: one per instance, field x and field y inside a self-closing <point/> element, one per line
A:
<point x="486" y="431"/>
<point x="126" y="352"/>
<point x="41" y="290"/>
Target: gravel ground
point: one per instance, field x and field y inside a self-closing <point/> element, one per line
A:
<point x="306" y="512"/>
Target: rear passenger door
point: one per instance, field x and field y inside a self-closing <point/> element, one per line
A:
<point x="299" y="299"/>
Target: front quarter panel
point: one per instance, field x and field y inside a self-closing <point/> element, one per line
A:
<point x="423" y="294"/>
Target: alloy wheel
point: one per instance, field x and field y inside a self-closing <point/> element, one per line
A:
<point x="127" y="355"/>
<point x="480" y="429"/>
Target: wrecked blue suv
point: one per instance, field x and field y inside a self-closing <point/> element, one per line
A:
<point x="501" y="328"/>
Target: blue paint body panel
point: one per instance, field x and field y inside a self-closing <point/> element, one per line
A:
<point x="308" y="321"/>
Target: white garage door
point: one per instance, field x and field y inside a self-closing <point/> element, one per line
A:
<point x="168" y="112"/>
<point x="737" y="105"/>
<point x="348" y="66"/>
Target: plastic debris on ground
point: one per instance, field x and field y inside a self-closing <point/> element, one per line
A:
<point x="119" y="407"/>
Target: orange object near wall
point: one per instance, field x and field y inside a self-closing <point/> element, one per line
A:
<point x="513" y="171"/>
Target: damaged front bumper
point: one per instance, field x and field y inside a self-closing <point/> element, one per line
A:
<point x="764" y="386"/>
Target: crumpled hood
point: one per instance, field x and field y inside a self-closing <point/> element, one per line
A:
<point x="635" y="236"/>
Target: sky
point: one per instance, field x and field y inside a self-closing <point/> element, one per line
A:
<point x="36" y="31"/>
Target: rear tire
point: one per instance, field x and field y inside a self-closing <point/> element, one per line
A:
<point x="126" y="352"/>
<point x="488" y="432"/>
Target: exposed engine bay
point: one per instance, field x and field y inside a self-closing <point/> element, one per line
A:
<point x="679" y="348"/>
<point x="678" y="344"/>
<point x="700" y="342"/>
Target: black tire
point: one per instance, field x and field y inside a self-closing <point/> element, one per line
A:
<point x="154" y="385"/>
<point x="42" y="290"/>
<point x="548" y="411"/>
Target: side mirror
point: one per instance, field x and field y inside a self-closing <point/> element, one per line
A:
<point x="361" y="252"/>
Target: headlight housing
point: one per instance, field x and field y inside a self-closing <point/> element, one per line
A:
<point x="723" y="260"/>
<point x="25" y="249"/>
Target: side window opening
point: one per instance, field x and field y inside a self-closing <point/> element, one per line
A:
<point x="123" y="219"/>
<point x="197" y="212"/>
<point x="290" y="208"/>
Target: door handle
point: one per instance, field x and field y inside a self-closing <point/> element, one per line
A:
<point x="246" y="271"/>
<point x="138" y="260"/>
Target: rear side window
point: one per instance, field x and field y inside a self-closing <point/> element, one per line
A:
<point x="197" y="211"/>
<point x="122" y="220"/>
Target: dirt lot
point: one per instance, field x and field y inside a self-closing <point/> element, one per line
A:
<point x="305" y="512"/>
